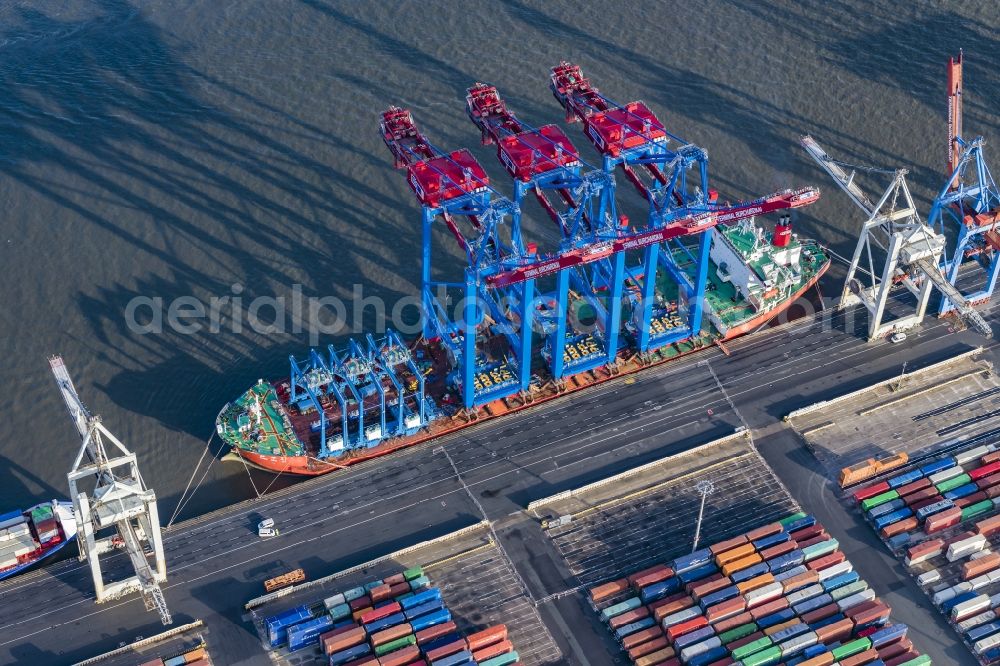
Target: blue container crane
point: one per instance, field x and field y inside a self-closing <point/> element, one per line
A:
<point x="452" y="187"/>
<point x="969" y="201"/>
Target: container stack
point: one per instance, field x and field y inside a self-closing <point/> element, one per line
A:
<point x="400" y="620"/>
<point x="15" y="539"/>
<point x="196" y="657"/>
<point x="942" y="518"/>
<point x="782" y="593"/>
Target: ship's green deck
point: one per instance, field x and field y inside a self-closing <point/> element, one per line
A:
<point x="276" y="440"/>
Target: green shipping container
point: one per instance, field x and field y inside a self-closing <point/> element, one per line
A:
<point x="922" y="660"/>
<point x="879" y="499"/>
<point x="953" y="482"/>
<point x="848" y="590"/>
<point x="750" y="648"/>
<point x="502" y="660"/>
<point x="392" y="646"/>
<point x="629" y="604"/>
<point x="736" y="633"/>
<point x="414" y="572"/>
<point x="976" y="509"/>
<point x="820" y="549"/>
<point x="769" y="656"/>
<point x="791" y="519"/>
<point x="848" y="649"/>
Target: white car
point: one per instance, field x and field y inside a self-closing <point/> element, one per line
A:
<point x="267" y="532"/>
<point x="265" y="524"/>
<point x="897" y="337"/>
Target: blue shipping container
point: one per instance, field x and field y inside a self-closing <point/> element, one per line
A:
<point x="695" y="559"/>
<point x="429" y="620"/>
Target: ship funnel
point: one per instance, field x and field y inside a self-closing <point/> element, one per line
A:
<point x="782" y="232"/>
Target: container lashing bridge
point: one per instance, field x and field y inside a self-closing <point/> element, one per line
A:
<point x="453" y="187"/>
<point x="373" y="389"/>
<point x="969" y="201"/>
<point x="541" y="161"/>
<point x="675" y="187"/>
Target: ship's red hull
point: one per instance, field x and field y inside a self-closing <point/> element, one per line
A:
<point x="308" y="466"/>
<point x="765" y="317"/>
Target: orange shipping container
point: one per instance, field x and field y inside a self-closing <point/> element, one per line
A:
<point x="491" y="635"/>
<point x="390" y="634"/>
<point x="605" y="590"/>
<point x="400" y="657"/>
<point x="837" y="631"/>
<point x="905" y="525"/>
<point x="764" y="531"/>
<point x="721" y="546"/>
<point x="754" y="583"/>
<point x="734" y="554"/>
<point x="820" y="563"/>
<point x="641" y="636"/>
<point x="628" y="617"/>
<point x="337" y="640"/>
<point x="445" y="650"/>
<point x="989" y="525"/>
<point x="973" y="568"/>
<point x="380" y="593"/>
<point x="732" y="622"/>
<point x="775" y="628"/>
<point x="653" y="574"/>
<point x="649" y="647"/>
<point x="194" y="655"/>
<point x="865" y="657"/>
<point x="801" y="580"/>
<point x="654" y="658"/>
<point x="740" y="564"/>
<point x="703" y="588"/>
<point x="824" y="659"/>
<point x="780" y="549"/>
<point x="770" y="607"/>
<point x="669" y="609"/>
<point x="490" y="651"/>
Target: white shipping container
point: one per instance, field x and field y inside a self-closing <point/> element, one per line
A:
<point x="985" y="644"/>
<point x="923" y="558"/>
<point x="970" y="455"/>
<point x="836" y="570"/>
<point x="994" y="575"/>
<point x="979" y="582"/>
<point x="803" y="594"/>
<point x="855" y="599"/>
<point x="965" y="547"/>
<point x="945" y="474"/>
<point x="798" y="643"/>
<point x="983" y="553"/>
<point x="698" y="648"/>
<point x="763" y="594"/>
<point x="970" y="607"/>
<point x="12" y="521"/>
<point x="928" y="577"/>
<point x="976" y="620"/>
<point x="951" y="592"/>
<point x="995" y="600"/>
<point x="335" y="600"/>
<point x="13" y="532"/>
<point x="681" y="616"/>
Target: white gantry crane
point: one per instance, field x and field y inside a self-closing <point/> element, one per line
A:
<point x="119" y="501"/>
<point x="912" y="251"/>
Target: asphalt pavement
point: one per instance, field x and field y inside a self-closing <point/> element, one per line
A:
<point x="216" y="563"/>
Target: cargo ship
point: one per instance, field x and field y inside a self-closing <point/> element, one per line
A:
<point x="755" y="274"/>
<point x="30" y="536"/>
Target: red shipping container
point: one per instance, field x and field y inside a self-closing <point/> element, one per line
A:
<point x="903" y="658"/>
<point x="498" y="632"/>
<point x="913" y="487"/>
<point x="714" y="578"/>
<point x="799" y="581"/>
<point x="973" y="568"/>
<point x="628" y="617"/>
<point x="359" y="603"/>
<point x="942" y="520"/>
<point x="390" y="634"/>
<point x="930" y="492"/>
<point x="381" y="612"/>
<point x="398" y="589"/>
<point x="436" y="631"/>
<point x="837" y="631"/>
<point x="871" y="491"/>
<point x="895" y="649"/>
<point x="648" y="647"/>
<point x="732" y="622"/>
<point x="829" y="560"/>
<point x="661" y="612"/>
<point x="400" y="657"/>
<point x="682" y="628"/>
<point x="763" y="531"/>
<point x="810" y="542"/>
<point x="654" y="574"/>
<point x="728" y="544"/>
<point x="904" y="525"/>
<point x="703" y="587"/>
<point x="337" y="640"/>
<point x="808" y="532"/>
<point x="865" y="657"/>
<point x="988" y="526"/>
<point x="394" y="579"/>
<point x="770" y="607"/>
<point x="968" y="500"/>
<point x="605" y="590"/>
<point x="642" y="636"/>
<point x="985" y="482"/>
<point x="495" y="650"/>
<point x="746" y="640"/>
<point x="820" y="613"/>
<point x="923" y="548"/>
<point x="984" y="471"/>
<point x="445" y="650"/>
<point x="380" y="593"/>
<point x="778" y="550"/>
<point x="725" y="609"/>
